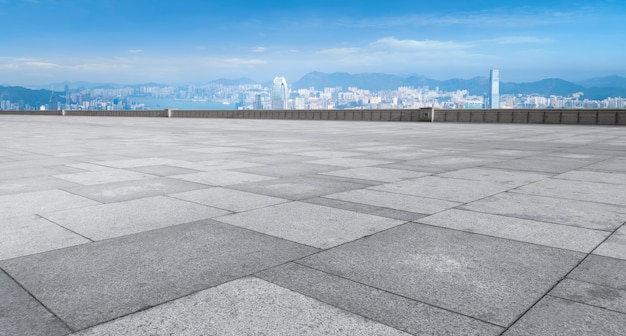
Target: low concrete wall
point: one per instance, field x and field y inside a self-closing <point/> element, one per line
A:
<point x="515" y="116"/>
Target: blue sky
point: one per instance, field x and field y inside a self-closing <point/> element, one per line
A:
<point x="137" y="41"/>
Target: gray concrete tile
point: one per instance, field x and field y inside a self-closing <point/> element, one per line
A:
<point x="488" y="278"/>
<point x="289" y="169"/>
<point x="578" y="190"/>
<point x="135" y="163"/>
<point x="21" y="236"/>
<point x="393" y="310"/>
<point x="89" y="284"/>
<point x="217" y="149"/>
<point x="555" y="210"/>
<point x="21" y="173"/>
<point x="554" y="235"/>
<point x="554" y="316"/>
<point x="118" y="219"/>
<point x="615" y="246"/>
<point x="349" y="162"/>
<point x="591" y="294"/>
<point x="377" y="174"/>
<point x="298" y="187"/>
<point x="556" y="165"/>
<point x="129" y="190"/>
<point x="593" y="176"/>
<point x="37" y="202"/>
<point x="608" y="272"/>
<point x="328" y="154"/>
<point x="511" y="179"/>
<point x="444" y="188"/>
<point x="103" y="176"/>
<point x="23" y="315"/>
<point x="246" y="306"/>
<point x="276" y="159"/>
<point x="366" y="209"/>
<point x="217" y="164"/>
<point x="227" y="199"/>
<point x="310" y="224"/>
<point x="394" y="201"/>
<point x="164" y="170"/>
<point x="22" y="185"/>
<point x="222" y="178"/>
<point x="615" y="165"/>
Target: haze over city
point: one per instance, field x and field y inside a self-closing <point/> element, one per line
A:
<point x="48" y="41"/>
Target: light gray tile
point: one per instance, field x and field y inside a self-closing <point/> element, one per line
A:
<point x="508" y="178"/>
<point x="578" y="190"/>
<point x="556" y="165"/>
<point x="231" y="200"/>
<point x="394" y="201"/>
<point x="555" y="235"/>
<point x="134" y="163"/>
<point x="118" y="219"/>
<point x="488" y="278"/>
<point x="608" y="272"/>
<point x="594" y="176"/>
<point x="222" y="178"/>
<point x="289" y="169"/>
<point x="329" y="154"/>
<point x="616" y="165"/>
<point x="396" y="311"/>
<point x="164" y="170"/>
<point x="89" y="284"/>
<point x="547" y="209"/>
<point x="364" y="208"/>
<point x="310" y="224"/>
<point x="298" y="188"/>
<point x="103" y="176"/>
<point x="615" y="246"/>
<point x="444" y="188"/>
<point x="349" y="162"/>
<point x="23" y="315"/>
<point x="554" y="316"/>
<point x="220" y="311"/>
<point x="217" y="149"/>
<point x="377" y="174"/>
<point x="37" y="202"/>
<point x="21" y="236"/>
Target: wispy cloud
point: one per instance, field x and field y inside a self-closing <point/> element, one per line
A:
<point x="339" y="51"/>
<point x="135" y="51"/>
<point x="259" y="49"/>
<point x="422" y="46"/>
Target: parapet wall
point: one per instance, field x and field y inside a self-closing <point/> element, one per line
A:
<point x="515" y="116"/>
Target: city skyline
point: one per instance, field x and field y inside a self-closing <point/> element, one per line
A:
<point x="142" y="41"/>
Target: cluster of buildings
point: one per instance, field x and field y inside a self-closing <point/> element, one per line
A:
<point x="280" y="96"/>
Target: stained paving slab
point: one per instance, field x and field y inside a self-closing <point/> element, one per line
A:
<point x="157" y="226"/>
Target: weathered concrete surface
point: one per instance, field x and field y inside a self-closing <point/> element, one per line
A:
<point x="166" y="226"/>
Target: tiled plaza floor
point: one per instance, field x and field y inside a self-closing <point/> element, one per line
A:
<point x="156" y="226"/>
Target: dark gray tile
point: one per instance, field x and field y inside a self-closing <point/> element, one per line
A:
<point x="488" y="278"/>
<point x="164" y="170"/>
<point x="298" y="188"/>
<point x="556" y="165"/>
<point x="396" y="311"/>
<point x="554" y="316"/>
<point x="602" y="271"/>
<point x="365" y="208"/>
<point x="290" y="169"/>
<point x="591" y="294"/>
<point x="20" y="314"/>
<point x="92" y="283"/>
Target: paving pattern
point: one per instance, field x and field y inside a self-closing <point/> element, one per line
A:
<point x="156" y="226"/>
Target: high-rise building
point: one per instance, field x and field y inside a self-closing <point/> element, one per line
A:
<point x="280" y="93"/>
<point x="494" y="89"/>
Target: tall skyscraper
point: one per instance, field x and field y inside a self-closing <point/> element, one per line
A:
<point x="494" y="90"/>
<point x="280" y="93"/>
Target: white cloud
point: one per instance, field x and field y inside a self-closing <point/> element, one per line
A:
<point x="259" y="49"/>
<point x="135" y="51"/>
<point x="423" y="46"/>
<point x="339" y="51"/>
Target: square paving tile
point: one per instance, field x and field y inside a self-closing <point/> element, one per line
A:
<point x="228" y="199"/>
<point x="615" y="246"/>
<point x="491" y="279"/>
<point x="377" y="174"/>
<point x="578" y="190"/>
<point x="329" y="154"/>
<point x="118" y="219"/>
<point x="616" y="165"/>
<point x="164" y="170"/>
<point x="222" y="178"/>
<point x="554" y="316"/>
<point x="248" y="306"/>
<point x="365" y="208"/>
<point x="608" y="272"/>
<point x="129" y="190"/>
<point x="349" y="162"/>
<point x="21" y="236"/>
<point x="394" y="201"/>
<point x="310" y="224"/>
<point x="511" y="179"/>
<point x="134" y="163"/>
<point x="594" y="176"/>
<point x="298" y="187"/>
<point x="556" y="165"/>
<point x="93" y="283"/>
<point x="555" y="235"/>
<point x="555" y="210"/>
<point x="444" y="188"/>
<point x="29" y="184"/>
<point x="591" y="294"/>
<point x="393" y="310"/>
<point x="37" y="202"/>
<point x="23" y="315"/>
<point x="290" y="169"/>
<point x="103" y="176"/>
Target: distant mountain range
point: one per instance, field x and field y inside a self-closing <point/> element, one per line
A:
<point x="593" y="88"/>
